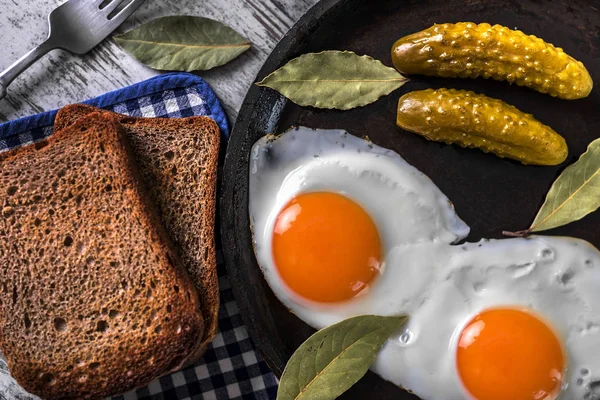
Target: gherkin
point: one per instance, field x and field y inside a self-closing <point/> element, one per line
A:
<point x="474" y="120"/>
<point x="469" y="50"/>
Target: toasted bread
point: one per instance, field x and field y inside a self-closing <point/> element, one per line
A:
<point x="178" y="160"/>
<point x="93" y="297"/>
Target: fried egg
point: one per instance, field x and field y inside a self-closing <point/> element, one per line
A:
<point x="343" y="227"/>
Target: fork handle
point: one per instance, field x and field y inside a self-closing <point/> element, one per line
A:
<point x="9" y="74"/>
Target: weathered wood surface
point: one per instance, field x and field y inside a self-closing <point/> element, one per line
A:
<point x="61" y="78"/>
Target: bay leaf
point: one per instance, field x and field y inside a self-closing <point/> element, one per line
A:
<point x="574" y="194"/>
<point x="334" y="79"/>
<point x="335" y="358"/>
<point x="183" y="43"/>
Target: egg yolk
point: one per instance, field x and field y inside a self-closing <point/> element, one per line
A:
<point x="510" y="354"/>
<point x="326" y="247"/>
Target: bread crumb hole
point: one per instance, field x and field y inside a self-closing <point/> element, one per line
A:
<point x="27" y="321"/>
<point x="102" y="326"/>
<point x="169" y="155"/>
<point x="108" y="188"/>
<point x="174" y="170"/>
<point x="113" y="314"/>
<point x="37" y="222"/>
<point x="68" y="242"/>
<point x="11" y="190"/>
<point x="169" y="308"/>
<point x="102" y="147"/>
<point x="60" y="324"/>
<point x="48" y="379"/>
<point x="176" y="288"/>
<point x="158" y="330"/>
<point x="94" y="366"/>
<point x="51" y="211"/>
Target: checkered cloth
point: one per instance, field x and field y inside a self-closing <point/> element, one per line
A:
<point x="231" y="367"/>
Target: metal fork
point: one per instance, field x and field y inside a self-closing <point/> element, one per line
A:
<point x="77" y="26"/>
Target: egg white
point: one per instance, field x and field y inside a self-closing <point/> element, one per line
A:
<point x="439" y="285"/>
<point x="558" y="278"/>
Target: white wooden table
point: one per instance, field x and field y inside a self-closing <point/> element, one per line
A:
<point x="61" y="78"/>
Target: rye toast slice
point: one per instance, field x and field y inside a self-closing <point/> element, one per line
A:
<point x="178" y="159"/>
<point x="93" y="297"/>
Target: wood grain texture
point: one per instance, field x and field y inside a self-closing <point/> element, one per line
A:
<point x="62" y="78"/>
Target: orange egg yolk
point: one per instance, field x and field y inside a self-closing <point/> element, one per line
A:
<point x="326" y="247"/>
<point x="510" y="354"/>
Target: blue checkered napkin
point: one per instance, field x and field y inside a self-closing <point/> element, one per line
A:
<point x="231" y="367"/>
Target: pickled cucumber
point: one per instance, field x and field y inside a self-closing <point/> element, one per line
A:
<point x="474" y="120"/>
<point x="468" y="50"/>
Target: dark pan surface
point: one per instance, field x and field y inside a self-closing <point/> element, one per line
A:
<point x="489" y="193"/>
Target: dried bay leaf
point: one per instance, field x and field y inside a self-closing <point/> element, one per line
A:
<point x="335" y="358"/>
<point x="334" y="79"/>
<point x="183" y="43"/>
<point x="575" y="193"/>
